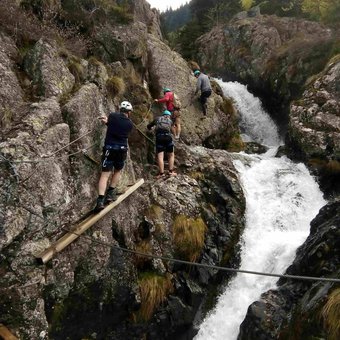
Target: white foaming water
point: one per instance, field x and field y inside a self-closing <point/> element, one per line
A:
<point x="255" y="123"/>
<point x="282" y="198"/>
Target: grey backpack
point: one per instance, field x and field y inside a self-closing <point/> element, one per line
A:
<point x="164" y="123"/>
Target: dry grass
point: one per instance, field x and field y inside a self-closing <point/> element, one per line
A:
<point x="197" y="175"/>
<point x="154" y="212"/>
<point x="115" y="86"/>
<point x="154" y="289"/>
<point x="145" y="248"/>
<point x="235" y="144"/>
<point x="77" y="69"/>
<point x="193" y="65"/>
<point x="189" y="236"/>
<point x="227" y="106"/>
<point x="331" y="167"/>
<point x="331" y="315"/>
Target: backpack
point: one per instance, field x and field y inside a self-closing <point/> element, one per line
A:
<point x="177" y="103"/>
<point x="164" y="123"/>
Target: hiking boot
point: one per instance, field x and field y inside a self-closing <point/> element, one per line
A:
<point x="160" y="175"/>
<point x="172" y="173"/>
<point x="111" y="195"/>
<point x="100" y="204"/>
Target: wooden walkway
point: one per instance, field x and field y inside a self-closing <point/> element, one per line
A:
<point x="76" y="231"/>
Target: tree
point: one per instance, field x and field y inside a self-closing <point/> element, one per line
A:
<point x="326" y="11"/>
<point x="247" y="4"/>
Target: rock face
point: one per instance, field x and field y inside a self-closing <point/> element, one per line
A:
<point x="273" y="55"/>
<point x="48" y="71"/>
<point x="314" y="121"/>
<point x="296" y="310"/>
<point x="49" y="172"/>
<point x="168" y="69"/>
<point x="11" y="94"/>
<point x="314" y="126"/>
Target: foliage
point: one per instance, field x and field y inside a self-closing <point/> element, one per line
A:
<point x="246" y="4"/>
<point x="189" y="236"/>
<point x="88" y="13"/>
<point x="25" y="29"/>
<point x="331" y="315"/>
<point x="204" y="15"/>
<point x="171" y="20"/>
<point x="327" y="11"/>
<point x="187" y="37"/>
<point x="154" y="289"/>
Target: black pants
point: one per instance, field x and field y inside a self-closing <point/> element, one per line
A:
<point x="203" y="99"/>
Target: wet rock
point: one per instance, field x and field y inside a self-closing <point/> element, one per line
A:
<point x="256" y="148"/>
<point x="294" y="309"/>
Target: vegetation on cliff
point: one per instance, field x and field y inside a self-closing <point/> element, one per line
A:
<point x="204" y="15"/>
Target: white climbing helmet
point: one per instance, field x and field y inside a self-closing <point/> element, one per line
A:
<point x="126" y="106"/>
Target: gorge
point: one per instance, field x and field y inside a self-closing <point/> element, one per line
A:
<point x="241" y="173"/>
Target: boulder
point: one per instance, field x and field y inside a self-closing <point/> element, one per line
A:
<point x="48" y="70"/>
<point x="121" y="42"/>
<point x="150" y="17"/>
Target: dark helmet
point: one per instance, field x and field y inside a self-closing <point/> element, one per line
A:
<point x="197" y="73"/>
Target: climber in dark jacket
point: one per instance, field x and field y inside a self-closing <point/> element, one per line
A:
<point x="164" y="142"/>
<point x="115" y="150"/>
<point x="203" y="85"/>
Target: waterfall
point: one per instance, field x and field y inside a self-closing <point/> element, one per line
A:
<point x="281" y="200"/>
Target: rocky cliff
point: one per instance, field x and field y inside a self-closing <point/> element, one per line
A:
<point x="51" y="140"/>
<point x="56" y="81"/>
<point x="314" y="126"/>
<point x="273" y="55"/>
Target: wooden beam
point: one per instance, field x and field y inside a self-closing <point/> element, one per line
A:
<point x="5" y="334"/>
<point x="76" y="231"/>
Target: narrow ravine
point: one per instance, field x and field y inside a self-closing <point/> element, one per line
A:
<point x="282" y="198"/>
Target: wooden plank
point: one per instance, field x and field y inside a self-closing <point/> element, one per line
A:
<point x="76" y="231"/>
<point x="5" y="334"/>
